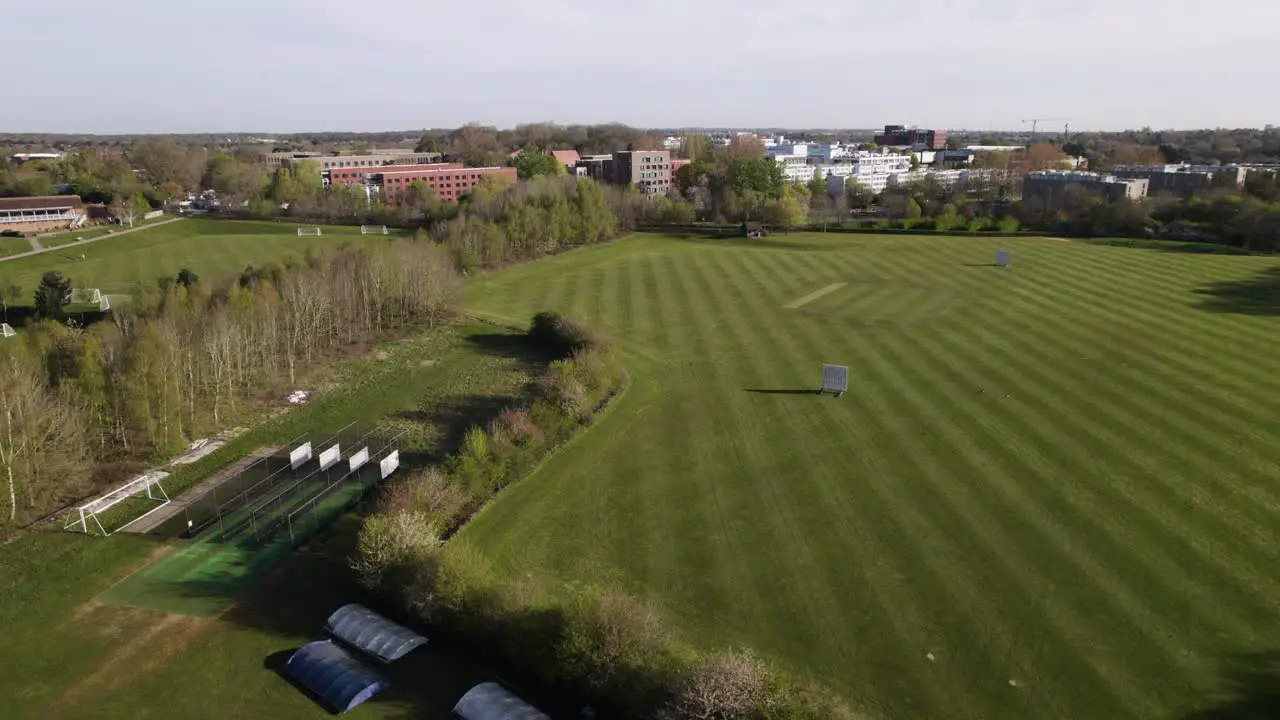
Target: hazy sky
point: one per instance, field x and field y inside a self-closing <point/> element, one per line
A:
<point x="292" y="65"/>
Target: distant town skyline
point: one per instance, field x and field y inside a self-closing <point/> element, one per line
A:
<point x="314" y="65"/>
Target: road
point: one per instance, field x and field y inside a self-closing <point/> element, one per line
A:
<point x="68" y="246"/>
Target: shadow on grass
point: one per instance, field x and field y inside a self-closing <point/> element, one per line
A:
<point x="1258" y="295"/>
<point x="454" y="418"/>
<point x="509" y="345"/>
<point x="780" y="391"/>
<point x="1250" y="689"/>
<point x="773" y="242"/>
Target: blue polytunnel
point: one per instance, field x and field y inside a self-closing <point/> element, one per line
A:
<point x="491" y="701"/>
<point x="330" y="672"/>
<point x="370" y="633"/>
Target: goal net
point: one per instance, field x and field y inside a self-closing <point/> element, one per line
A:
<point x="309" y="231"/>
<point x="6" y="330"/>
<point x="123" y="506"/>
<point x="373" y="229"/>
<point x="85" y="296"/>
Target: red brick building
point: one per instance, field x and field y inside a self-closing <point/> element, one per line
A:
<point x="359" y="175"/>
<point x="448" y="183"/>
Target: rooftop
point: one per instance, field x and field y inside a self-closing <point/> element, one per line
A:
<point x="41" y="203"/>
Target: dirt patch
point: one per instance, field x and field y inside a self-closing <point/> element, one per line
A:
<point x="152" y="638"/>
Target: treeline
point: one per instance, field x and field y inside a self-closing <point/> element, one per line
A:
<point x="188" y="357"/>
<point x="595" y="643"/>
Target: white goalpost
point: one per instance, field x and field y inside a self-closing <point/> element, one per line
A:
<point x="309" y="232"/>
<point x="373" y="229"/>
<point x="85" y="296"/>
<point x="94" y="517"/>
<point x="6" y="330"/>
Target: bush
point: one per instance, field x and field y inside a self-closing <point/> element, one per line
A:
<point x="561" y="387"/>
<point x="596" y="368"/>
<point x="1008" y="225"/>
<point x="391" y="543"/>
<point x="10" y="233"/>
<point x="731" y="685"/>
<point x="560" y="336"/>
<point x="608" y="633"/>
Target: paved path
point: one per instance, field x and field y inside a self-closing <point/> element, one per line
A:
<point x="178" y="504"/>
<point x="86" y="242"/>
<point x="36" y="245"/>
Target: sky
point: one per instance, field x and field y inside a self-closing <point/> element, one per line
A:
<point x="277" y="66"/>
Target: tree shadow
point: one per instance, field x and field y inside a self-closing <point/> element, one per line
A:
<point x="509" y="345"/>
<point x="1258" y="295"/>
<point x="769" y="243"/>
<point x="1250" y="689"/>
<point x="453" y="418"/>
<point x="780" y="391"/>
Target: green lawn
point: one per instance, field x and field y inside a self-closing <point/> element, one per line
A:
<point x="213" y="249"/>
<point x="1050" y="491"/>
<point x="13" y="246"/>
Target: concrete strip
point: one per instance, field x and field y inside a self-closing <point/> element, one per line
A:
<point x="814" y="296"/>
<point x="178" y="504"/>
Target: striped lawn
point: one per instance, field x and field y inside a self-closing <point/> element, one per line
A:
<point x="1056" y="479"/>
<point x="213" y="249"/>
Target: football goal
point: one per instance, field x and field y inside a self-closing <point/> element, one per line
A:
<point x="373" y="229"/>
<point x="6" y="330"/>
<point x="85" y="296"/>
<point x="126" y="504"/>
<point x="309" y="232"/>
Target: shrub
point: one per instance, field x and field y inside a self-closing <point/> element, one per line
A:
<point x="561" y="387"/>
<point x="596" y="367"/>
<point x="10" y="233"/>
<point x="559" y="335"/>
<point x="731" y="685"/>
<point x="518" y="424"/>
<point x="391" y="543"/>
<point x="1008" y="225"/>
<point x="609" y="633"/>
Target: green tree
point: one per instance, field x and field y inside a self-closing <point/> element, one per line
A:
<point x="53" y="292"/>
<point x="913" y="210"/>
<point x="10" y="292"/>
<point x="531" y="162"/>
<point x="787" y="211"/>
<point x="817" y="186"/>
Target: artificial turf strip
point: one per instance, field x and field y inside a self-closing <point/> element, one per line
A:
<point x="1049" y="492"/>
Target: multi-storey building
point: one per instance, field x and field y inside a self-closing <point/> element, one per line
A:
<point x="648" y="170"/>
<point x="447" y="183"/>
<point x="360" y="176"/>
<point x="374" y="159"/>
<point x="1053" y="186"/>
<point x="1183" y="180"/>
<point x="902" y="136"/>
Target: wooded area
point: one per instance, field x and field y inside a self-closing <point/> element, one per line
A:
<point x="81" y="404"/>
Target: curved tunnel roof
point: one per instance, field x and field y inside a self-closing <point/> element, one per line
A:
<point x="491" y="701"/>
<point x="330" y="672"/>
<point x="370" y="633"/>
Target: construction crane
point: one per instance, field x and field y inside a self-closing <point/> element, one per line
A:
<point x="1036" y="121"/>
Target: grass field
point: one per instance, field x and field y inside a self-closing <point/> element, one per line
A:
<point x="1050" y="491"/>
<point x="213" y="249"/>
